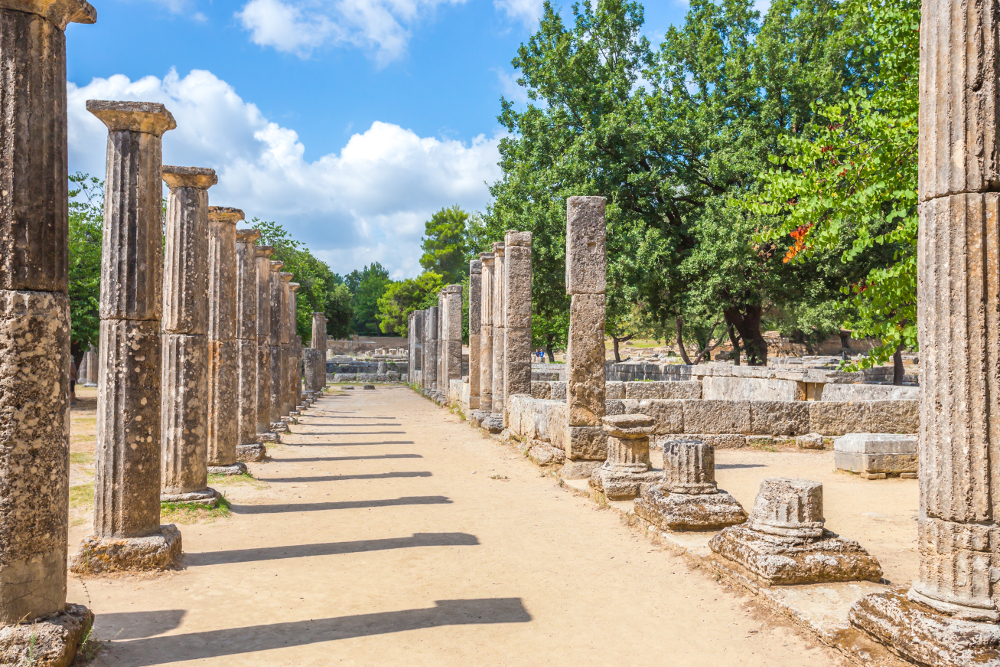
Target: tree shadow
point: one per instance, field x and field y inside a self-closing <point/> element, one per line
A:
<point x="341" y="478"/>
<point x="234" y="641"/>
<point x="316" y="459"/>
<point x="328" y="549"/>
<point x="137" y="624"/>
<point x="341" y="505"/>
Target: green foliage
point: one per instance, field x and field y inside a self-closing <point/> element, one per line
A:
<point x="851" y="183"/>
<point x="367" y="287"/>
<point x="445" y="245"/>
<point x="403" y="297"/>
<point x="320" y="290"/>
<point x="86" y="222"/>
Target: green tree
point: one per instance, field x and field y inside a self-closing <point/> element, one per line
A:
<point x="404" y="297"/>
<point x="367" y="287"/>
<point x="86" y="223"/>
<point x="445" y="246"/>
<point x="850" y="185"/>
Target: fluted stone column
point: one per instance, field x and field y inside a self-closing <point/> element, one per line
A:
<point x="319" y="333"/>
<point x="285" y="347"/>
<point x="295" y="348"/>
<point x="416" y="344"/>
<point x="494" y="423"/>
<point x="451" y="346"/>
<point x="35" y="329"/>
<point x="223" y="351"/>
<point x="475" y="325"/>
<point x="248" y="448"/>
<point x="184" y="416"/>
<point x="486" y="333"/>
<point x="127" y="531"/>
<point x="627" y="471"/>
<point x="517" y="315"/>
<point x="586" y="268"/>
<point x="274" y="338"/>
<point x="431" y="354"/>
<point x="316" y="372"/>
<point x="93" y="368"/>
<point x="950" y="614"/>
<point x="264" y="433"/>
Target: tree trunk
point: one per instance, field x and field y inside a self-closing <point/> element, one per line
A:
<point x="897" y="366"/>
<point x="618" y="357"/>
<point x="748" y="325"/>
<point x="735" y="341"/>
<point x="548" y="348"/>
<point x="680" y="340"/>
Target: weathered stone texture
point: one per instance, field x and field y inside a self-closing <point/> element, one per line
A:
<point x="475" y="328"/>
<point x="616" y="390"/>
<point x="517" y="313"/>
<point x="586" y="232"/>
<point x="33" y="186"/>
<point x="246" y="394"/>
<point x="779" y="417"/>
<point x="223" y="408"/>
<point x="751" y="389"/>
<point x="667" y="414"/>
<point x="275" y="384"/>
<point x="159" y="551"/>
<point x="499" y="329"/>
<point x="585" y="363"/>
<point x="682" y="512"/>
<point x="486" y="340"/>
<point x="184" y="416"/>
<point x="702" y="416"/>
<point x="689" y="467"/>
<point x="262" y="256"/>
<point x="34" y="452"/>
<point x="669" y="390"/>
<point x="51" y="641"/>
<point x="127" y="469"/>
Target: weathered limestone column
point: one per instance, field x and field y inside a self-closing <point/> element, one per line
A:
<point x="184" y="416"/>
<point x="295" y="349"/>
<point x="950" y="615"/>
<point x="494" y="423"/>
<point x="285" y="347"/>
<point x="127" y="531"/>
<point x="586" y="279"/>
<point x="417" y="336"/>
<point x="274" y="339"/>
<point x="93" y="365"/>
<point x="223" y="352"/>
<point x="517" y="315"/>
<point x="451" y="346"/>
<point x="431" y="351"/>
<point x="319" y="333"/>
<point x="264" y="433"/>
<point x="35" y="329"/>
<point x="486" y="336"/>
<point x="475" y="325"/>
<point x="247" y="447"/>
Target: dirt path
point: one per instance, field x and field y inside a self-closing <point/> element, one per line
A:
<point x="390" y="533"/>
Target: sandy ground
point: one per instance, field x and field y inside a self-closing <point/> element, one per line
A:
<point x="387" y="532"/>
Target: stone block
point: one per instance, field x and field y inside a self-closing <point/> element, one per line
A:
<point x="586" y="442"/>
<point x="899" y="416"/>
<point x="751" y="389"/>
<point x="615" y="407"/>
<point x="876" y="453"/>
<point x="678" y="511"/>
<point x="51" y="641"/>
<point x="779" y="417"/>
<point x="159" y="551"/>
<point x="555" y="421"/>
<point x="665" y="390"/>
<point x="616" y="390"/>
<point x="541" y="390"/>
<point x="708" y="416"/>
<point x="559" y="391"/>
<point x="586" y="242"/>
<point x="810" y="441"/>
<point x="585" y="364"/>
<point x="716" y="440"/>
<point x="667" y="414"/>
<point x="837" y="417"/>
<point x="869" y="392"/>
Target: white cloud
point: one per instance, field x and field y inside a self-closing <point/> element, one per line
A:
<point x="300" y="26"/>
<point x="367" y="203"/>
<point x="527" y="11"/>
<point x="509" y="87"/>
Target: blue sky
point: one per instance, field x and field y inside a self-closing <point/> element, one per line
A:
<point x="348" y="121"/>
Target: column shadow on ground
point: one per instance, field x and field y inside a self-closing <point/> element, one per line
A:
<point x="341" y="505"/>
<point x="351" y="444"/>
<point x="234" y="641"/>
<point x="316" y="459"/>
<point x="353" y="425"/>
<point x="311" y="433"/>
<point x="738" y="466"/>
<point x="329" y="549"/>
<point x="342" y="478"/>
<point x="138" y="624"/>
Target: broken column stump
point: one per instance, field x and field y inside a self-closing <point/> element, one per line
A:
<point x="627" y="470"/>
<point x="689" y="498"/>
<point x="784" y="541"/>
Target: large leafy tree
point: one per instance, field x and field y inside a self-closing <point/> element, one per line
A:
<point x="403" y="297"/>
<point x="445" y="245"/>
<point x="367" y="287"/>
<point x="86" y="222"/>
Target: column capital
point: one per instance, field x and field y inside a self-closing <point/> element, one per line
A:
<point x="284" y="275"/>
<point x="148" y="117"/>
<point x="226" y="214"/>
<point x="294" y="286"/>
<point x="276" y="266"/>
<point x="498" y="249"/>
<point x="247" y="236"/>
<point x="452" y="289"/>
<point x="475" y="266"/>
<point x="513" y="238"/>
<point x="264" y="250"/>
<point x="59" y="12"/>
<point x="201" y="178"/>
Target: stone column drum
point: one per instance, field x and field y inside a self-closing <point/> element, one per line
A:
<point x="127" y="531"/>
<point x="517" y="315"/>
<point x="248" y="448"/>
<point x="627" y="471"/>
<point x="689" y="498"/>
<point x="430" y="352"/>
<point x="264" y="432"/>
<point x="223" y="353"/>
<point x="495" y="423"/>
<point x="295" y="348"/>
<point x="950" y="614"/>
<point x="274" y="339"/>
<point x="784" y="541"/>
<point x="417" y="328"/>
<point x="184" y="415"/>
<point x="475" y="327"/>
<point x="35" y="331"/>
<point x="93" y="367"/>
<point x="451" y="347"/>
<point x="586" y="269"/>
<point x="486" y="337"/>
<point x="285" y="347"/>
<point x="319" y="333"/>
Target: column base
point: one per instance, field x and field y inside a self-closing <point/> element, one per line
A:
<point x="208" y="497"/>
<point x="52" y="641"/>
<point x="766" y="560"/>
<point x="280" y="427"/>
<point x="493" y="423"/>
<point x="683" y="511"/>
<point x="98" y="555"/>
<point x="475" y="417"/>
<point x="263" y="437"/>
<point x="579" y="469"/>
<point x="623" y="485"/>
<point x="237" y="468"/>
<point x="925" y="636"/>
<point x="253" y="452"/>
